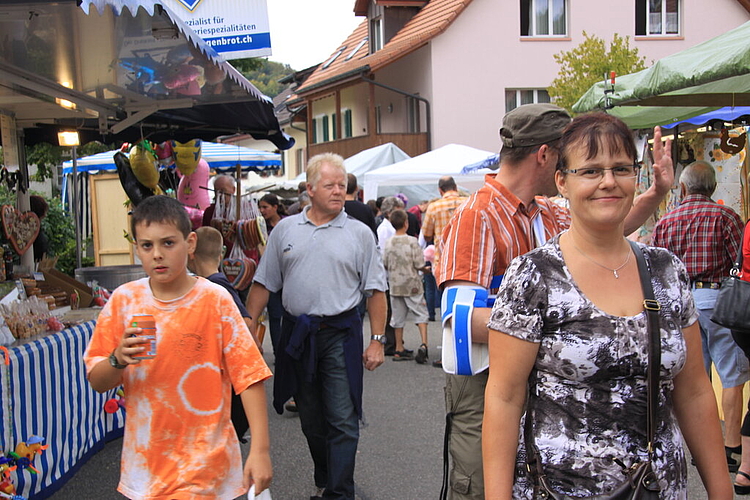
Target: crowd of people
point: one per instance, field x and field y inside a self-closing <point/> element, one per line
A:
<point x="542" y="307"/>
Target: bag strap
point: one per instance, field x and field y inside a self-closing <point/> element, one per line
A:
<point x="534" y="464"/>
<point x="652" y="307"/>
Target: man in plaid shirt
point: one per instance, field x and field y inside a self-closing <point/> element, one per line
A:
<point x="439" y="212"/>
<point x="706" y="237"/>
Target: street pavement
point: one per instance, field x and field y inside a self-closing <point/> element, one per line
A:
<point x="400" y="448"/>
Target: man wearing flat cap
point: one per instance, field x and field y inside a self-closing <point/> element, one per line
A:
<point x="509" y="216"/>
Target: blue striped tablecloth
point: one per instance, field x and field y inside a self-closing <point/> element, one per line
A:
<point x="44" y="392"/>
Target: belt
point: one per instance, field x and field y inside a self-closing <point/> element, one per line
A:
<point x="706" y="284"/>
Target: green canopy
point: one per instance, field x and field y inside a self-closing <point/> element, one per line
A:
<point x="708" y="76"/>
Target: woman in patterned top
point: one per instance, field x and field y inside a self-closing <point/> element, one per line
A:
<point x="569" y="325"/>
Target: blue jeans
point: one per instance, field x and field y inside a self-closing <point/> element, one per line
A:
<point x="430" y="293"/>
<point x="328" y="417"/>
<point x="718" y="345"/>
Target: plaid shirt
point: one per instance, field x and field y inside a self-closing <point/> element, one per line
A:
<point x="492" y="228"/>
<point x="439" y="212"/>
<point x="703" y="234"/>
<point x="437" y="216"/>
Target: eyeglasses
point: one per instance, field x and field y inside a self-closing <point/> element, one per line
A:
<point x="596" y="173"/>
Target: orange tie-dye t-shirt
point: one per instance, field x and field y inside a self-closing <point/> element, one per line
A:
<point x="179" y="441"/>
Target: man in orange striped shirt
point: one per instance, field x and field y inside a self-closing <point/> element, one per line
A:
<point x="504" y="219"/>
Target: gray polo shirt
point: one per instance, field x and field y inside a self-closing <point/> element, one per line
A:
<point x="323" y="270"/>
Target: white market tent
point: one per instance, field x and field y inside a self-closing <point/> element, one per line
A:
<point x="425" y="170"/>
<point x="371" y="159"/>
<point x="365" y="161"/>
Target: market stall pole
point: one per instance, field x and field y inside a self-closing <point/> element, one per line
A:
<point x="70" y="138"/>
<point x="15" y="164"/>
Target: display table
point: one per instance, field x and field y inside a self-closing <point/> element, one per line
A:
<point x="44" y="392"/>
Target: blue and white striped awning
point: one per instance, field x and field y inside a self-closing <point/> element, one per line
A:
<point x="220" y="157"/>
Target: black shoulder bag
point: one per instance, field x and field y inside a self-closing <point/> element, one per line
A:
<point x="732" y="307"/>
<point x="640" y="481"/>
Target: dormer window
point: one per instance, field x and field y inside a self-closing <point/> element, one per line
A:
<point x="376" y="34"/>
<point x="354" y="51"/>
<point x="333" y="57"/>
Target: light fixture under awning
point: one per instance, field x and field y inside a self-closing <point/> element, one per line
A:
<point x="129" y="68"/>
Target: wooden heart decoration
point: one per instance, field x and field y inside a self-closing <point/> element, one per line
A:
<point x="20" y="228"/>
<point x="234" y="269"/>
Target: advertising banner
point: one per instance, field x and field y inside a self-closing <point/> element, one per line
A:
<point x="234" y="28"/>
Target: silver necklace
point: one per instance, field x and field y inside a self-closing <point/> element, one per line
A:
<point x="614" y="271"/>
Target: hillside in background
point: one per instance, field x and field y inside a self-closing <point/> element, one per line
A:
<point x="264" y="74"/>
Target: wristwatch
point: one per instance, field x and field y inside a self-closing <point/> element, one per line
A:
<point x="378" y="338"/>
<point x="116" y="364"/>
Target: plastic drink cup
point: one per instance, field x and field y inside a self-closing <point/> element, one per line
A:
<point x="148" y="325"/>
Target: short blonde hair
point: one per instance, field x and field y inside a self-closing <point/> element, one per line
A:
<point x="315" y="164"/>
<point x="210" y="244"/>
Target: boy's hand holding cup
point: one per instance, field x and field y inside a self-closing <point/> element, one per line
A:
<point x="138" y="341"/>
<point x="130" y="346"/>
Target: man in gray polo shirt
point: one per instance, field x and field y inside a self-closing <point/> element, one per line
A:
<point x="324" y="262"/>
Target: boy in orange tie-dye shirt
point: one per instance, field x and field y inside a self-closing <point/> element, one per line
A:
<point x="179" y="442"/>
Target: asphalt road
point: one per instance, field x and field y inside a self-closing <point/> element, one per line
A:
<point x="400" y="449"/>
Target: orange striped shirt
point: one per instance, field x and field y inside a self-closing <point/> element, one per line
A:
<point x="491" y="229"/>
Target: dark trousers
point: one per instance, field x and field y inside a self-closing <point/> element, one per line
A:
<point x="275" y="313"/>
<point x="390" y="333"/>
<point x="430" y="294"/>
<point x="328" y="416"/>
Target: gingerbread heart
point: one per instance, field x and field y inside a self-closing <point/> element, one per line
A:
<point x="228" y="229"/>
<point x="234" y="269"/>
<point x="246" y="279"/>
<point x="21" y="229"/>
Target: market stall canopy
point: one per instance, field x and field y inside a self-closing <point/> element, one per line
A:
<point x="121" y="70"/>
<point x="357" y="164"/>
<point x="427" y="168"/>
<point x="703" y="78"/>
<point x="726" y="114"/>
<point x="221" y="157"/>
<point x="365" y="161"/>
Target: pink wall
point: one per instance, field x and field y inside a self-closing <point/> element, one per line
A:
<point x="481" y="54"/>
<point x="410" y="74"/>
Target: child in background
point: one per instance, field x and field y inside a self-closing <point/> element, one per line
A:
<point x="179" y="441"/>
<point x="205" y="261"/>
<point x="403" y="259"/>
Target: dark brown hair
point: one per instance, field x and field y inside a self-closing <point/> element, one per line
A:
<point x="597" y="131"/>
<point x="38" y="205"/>
<point x="273" y="200"/>
<point x="161" y="209"/>
<point x="398" y="218"/>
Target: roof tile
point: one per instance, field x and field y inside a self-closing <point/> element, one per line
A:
<point x="432" y="20"/>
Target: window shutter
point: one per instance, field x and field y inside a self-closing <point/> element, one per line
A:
<point x="640" y="17"/>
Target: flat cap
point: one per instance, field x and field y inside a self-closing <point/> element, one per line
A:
<point x="533" y="124"/>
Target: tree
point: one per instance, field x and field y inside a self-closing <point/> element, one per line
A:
<point x="264" y="74"/>
<point x="47" y="156"/>
<point x="588" y="63"/>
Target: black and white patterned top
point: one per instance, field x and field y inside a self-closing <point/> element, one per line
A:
<point x="589" y="396"/>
